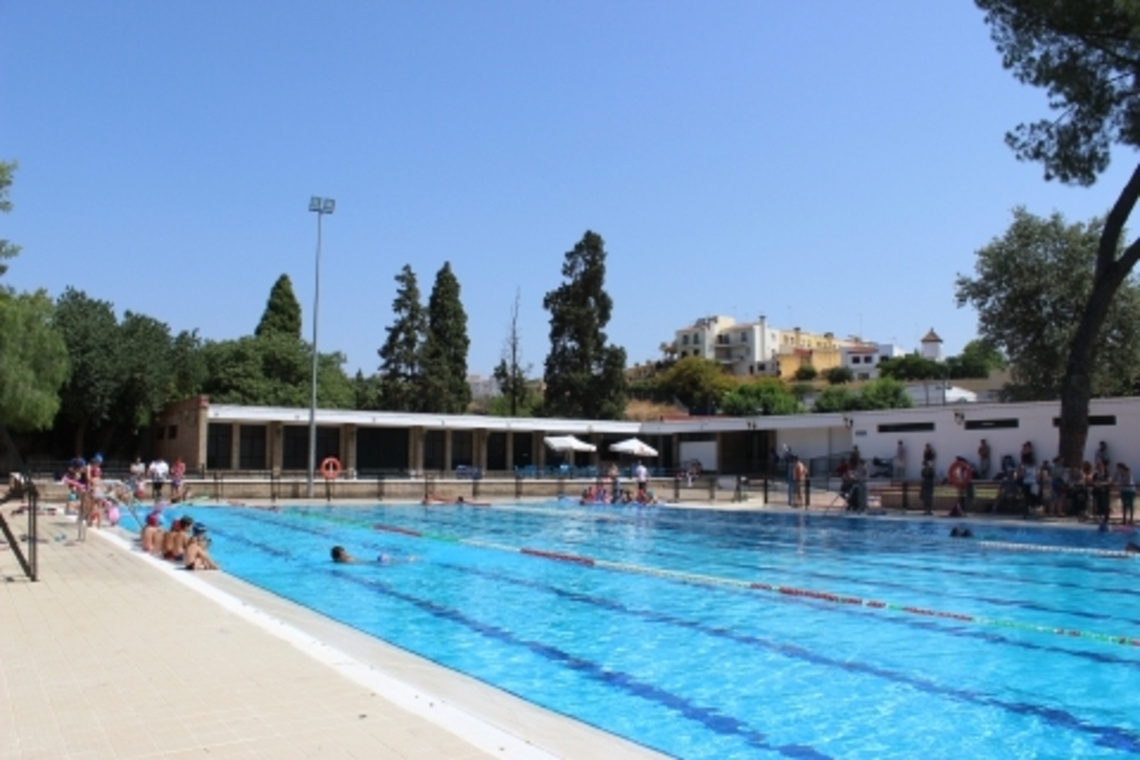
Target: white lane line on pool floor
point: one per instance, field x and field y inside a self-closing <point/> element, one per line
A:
<point x="479" y="733"/>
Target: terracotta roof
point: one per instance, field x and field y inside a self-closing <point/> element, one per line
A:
<point x="931" y="337"/>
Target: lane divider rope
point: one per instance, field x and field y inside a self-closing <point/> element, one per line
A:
<point x="1019" y="547"/>
<point x="822" y="596"/>
<point x="982" y="542"/>
<point x="711" y="580"/>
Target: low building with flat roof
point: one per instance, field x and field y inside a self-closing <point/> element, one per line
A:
<point x="228" y="438"/>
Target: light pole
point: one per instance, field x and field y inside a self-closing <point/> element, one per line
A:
<point x="321" y="206"/>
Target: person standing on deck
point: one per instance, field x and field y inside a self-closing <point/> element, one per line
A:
<point x="900" y="461"/>
<point x="790" y="472"/>
<point x="1123" y="478"/>
<point x="641" y="474"/>
<point x="799" y="474"/>
<point x="926" y="490"/>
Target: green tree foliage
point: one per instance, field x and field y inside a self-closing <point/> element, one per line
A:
<point x="837" y="398"/>
<point x="768" y="395"/>
<point x="978" y="359"/>
<point x="443" y="367"/>
<point x="189" y="365"/>
<point x="838" y="375"/>
<point x="146" y="369"/>
<point x="366" y="391"/>
<point x="90" y="330"/>
<point x="697" y="383"/>
<point x="528" y="404"/>
<point x="274" y="370"/>
<point x="585" y="377"/>
<point x="282" y="314"/>
<point x="511" y="375"/>
<point x="806" y="373"/>
<point x="801" y="390"/>
<point x="911" y="367"/>
<point x="1085" y="54"/>
<point x="8" y="250"/>
<point x="400" y="354"/>
<point x="1030" y="287"/>
<point x="335" y="389"/>
<point x="122" y="373"/>
<point x="885" y="393"/>
<point x="33" y="361"/>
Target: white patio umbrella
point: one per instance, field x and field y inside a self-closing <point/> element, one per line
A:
<point x="634" y="446"/>
<point x="568" y="443"/>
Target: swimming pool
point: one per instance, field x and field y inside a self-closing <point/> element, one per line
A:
<point x="717" y="634"/>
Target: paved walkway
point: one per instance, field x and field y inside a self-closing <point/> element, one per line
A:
<point x="113" y="654"/>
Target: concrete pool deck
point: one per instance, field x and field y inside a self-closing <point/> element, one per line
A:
<point x="114" y="654"/>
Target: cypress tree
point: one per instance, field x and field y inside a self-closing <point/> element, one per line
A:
<point x="282" y="313"/>
<point x="400" y="354"/>
<point x="443" y="371"/>
<point x="584" y="376"/>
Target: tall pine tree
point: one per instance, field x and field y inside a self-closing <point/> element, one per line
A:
<point x="443" y="369"/>
<point x="400" y="354"/>
<point x="282" y="313"/>
<point x="585" y="377"/>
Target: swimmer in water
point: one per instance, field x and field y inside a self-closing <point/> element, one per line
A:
<point x="341" y="556"/>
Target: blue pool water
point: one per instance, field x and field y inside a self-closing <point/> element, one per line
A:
<point x="866" y="638"/>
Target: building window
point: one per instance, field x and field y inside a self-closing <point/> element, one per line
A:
<point x="1094" y="419"/>
<point x="1010" y="422"/>
<point x="685" y="340"/>
<point x="906" y="427"/>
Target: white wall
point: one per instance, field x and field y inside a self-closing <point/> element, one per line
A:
<point x="809" y="443"/>
<point x="1035" y="424"/>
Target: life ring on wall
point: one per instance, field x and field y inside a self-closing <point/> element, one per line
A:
<point x="959" y="474"/>
<point x="330" y="468"/>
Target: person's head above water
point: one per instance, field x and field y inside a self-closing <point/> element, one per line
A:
<point x="338" y="554"/>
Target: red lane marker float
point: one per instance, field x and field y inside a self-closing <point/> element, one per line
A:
<point x="784" y="590"/>
<point x="575" y="558"/>
<point x="396" y="529"/>
<point x="825" y="596"/>
<point x="938" y="613"/>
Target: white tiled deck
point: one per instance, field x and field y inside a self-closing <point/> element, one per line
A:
<point x="113" y="654"/>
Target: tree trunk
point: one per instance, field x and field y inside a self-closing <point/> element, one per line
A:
<point x="1076" y="387"/>
<point x="80" y="435"/>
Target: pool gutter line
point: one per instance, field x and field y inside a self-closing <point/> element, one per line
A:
<point x="487" y="737"/>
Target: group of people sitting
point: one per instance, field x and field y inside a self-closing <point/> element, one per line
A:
<point x="186" y="543"/>
<point x="601" y="495"/>
<point x="1085" y="491"/>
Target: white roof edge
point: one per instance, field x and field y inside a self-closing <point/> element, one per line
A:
<point x="289" y="415"/>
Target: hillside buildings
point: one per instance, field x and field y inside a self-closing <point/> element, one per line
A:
<point x="759" y="348"/>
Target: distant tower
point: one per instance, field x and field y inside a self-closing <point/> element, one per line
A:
<point x="932" y="346"/>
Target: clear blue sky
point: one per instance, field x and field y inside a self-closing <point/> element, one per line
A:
<point x="829" y="165"/>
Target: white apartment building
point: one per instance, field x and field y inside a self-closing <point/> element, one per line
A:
<point x="746" y="348"/>
<point x="754" y="348"/>
<point x="863" y="358"/>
